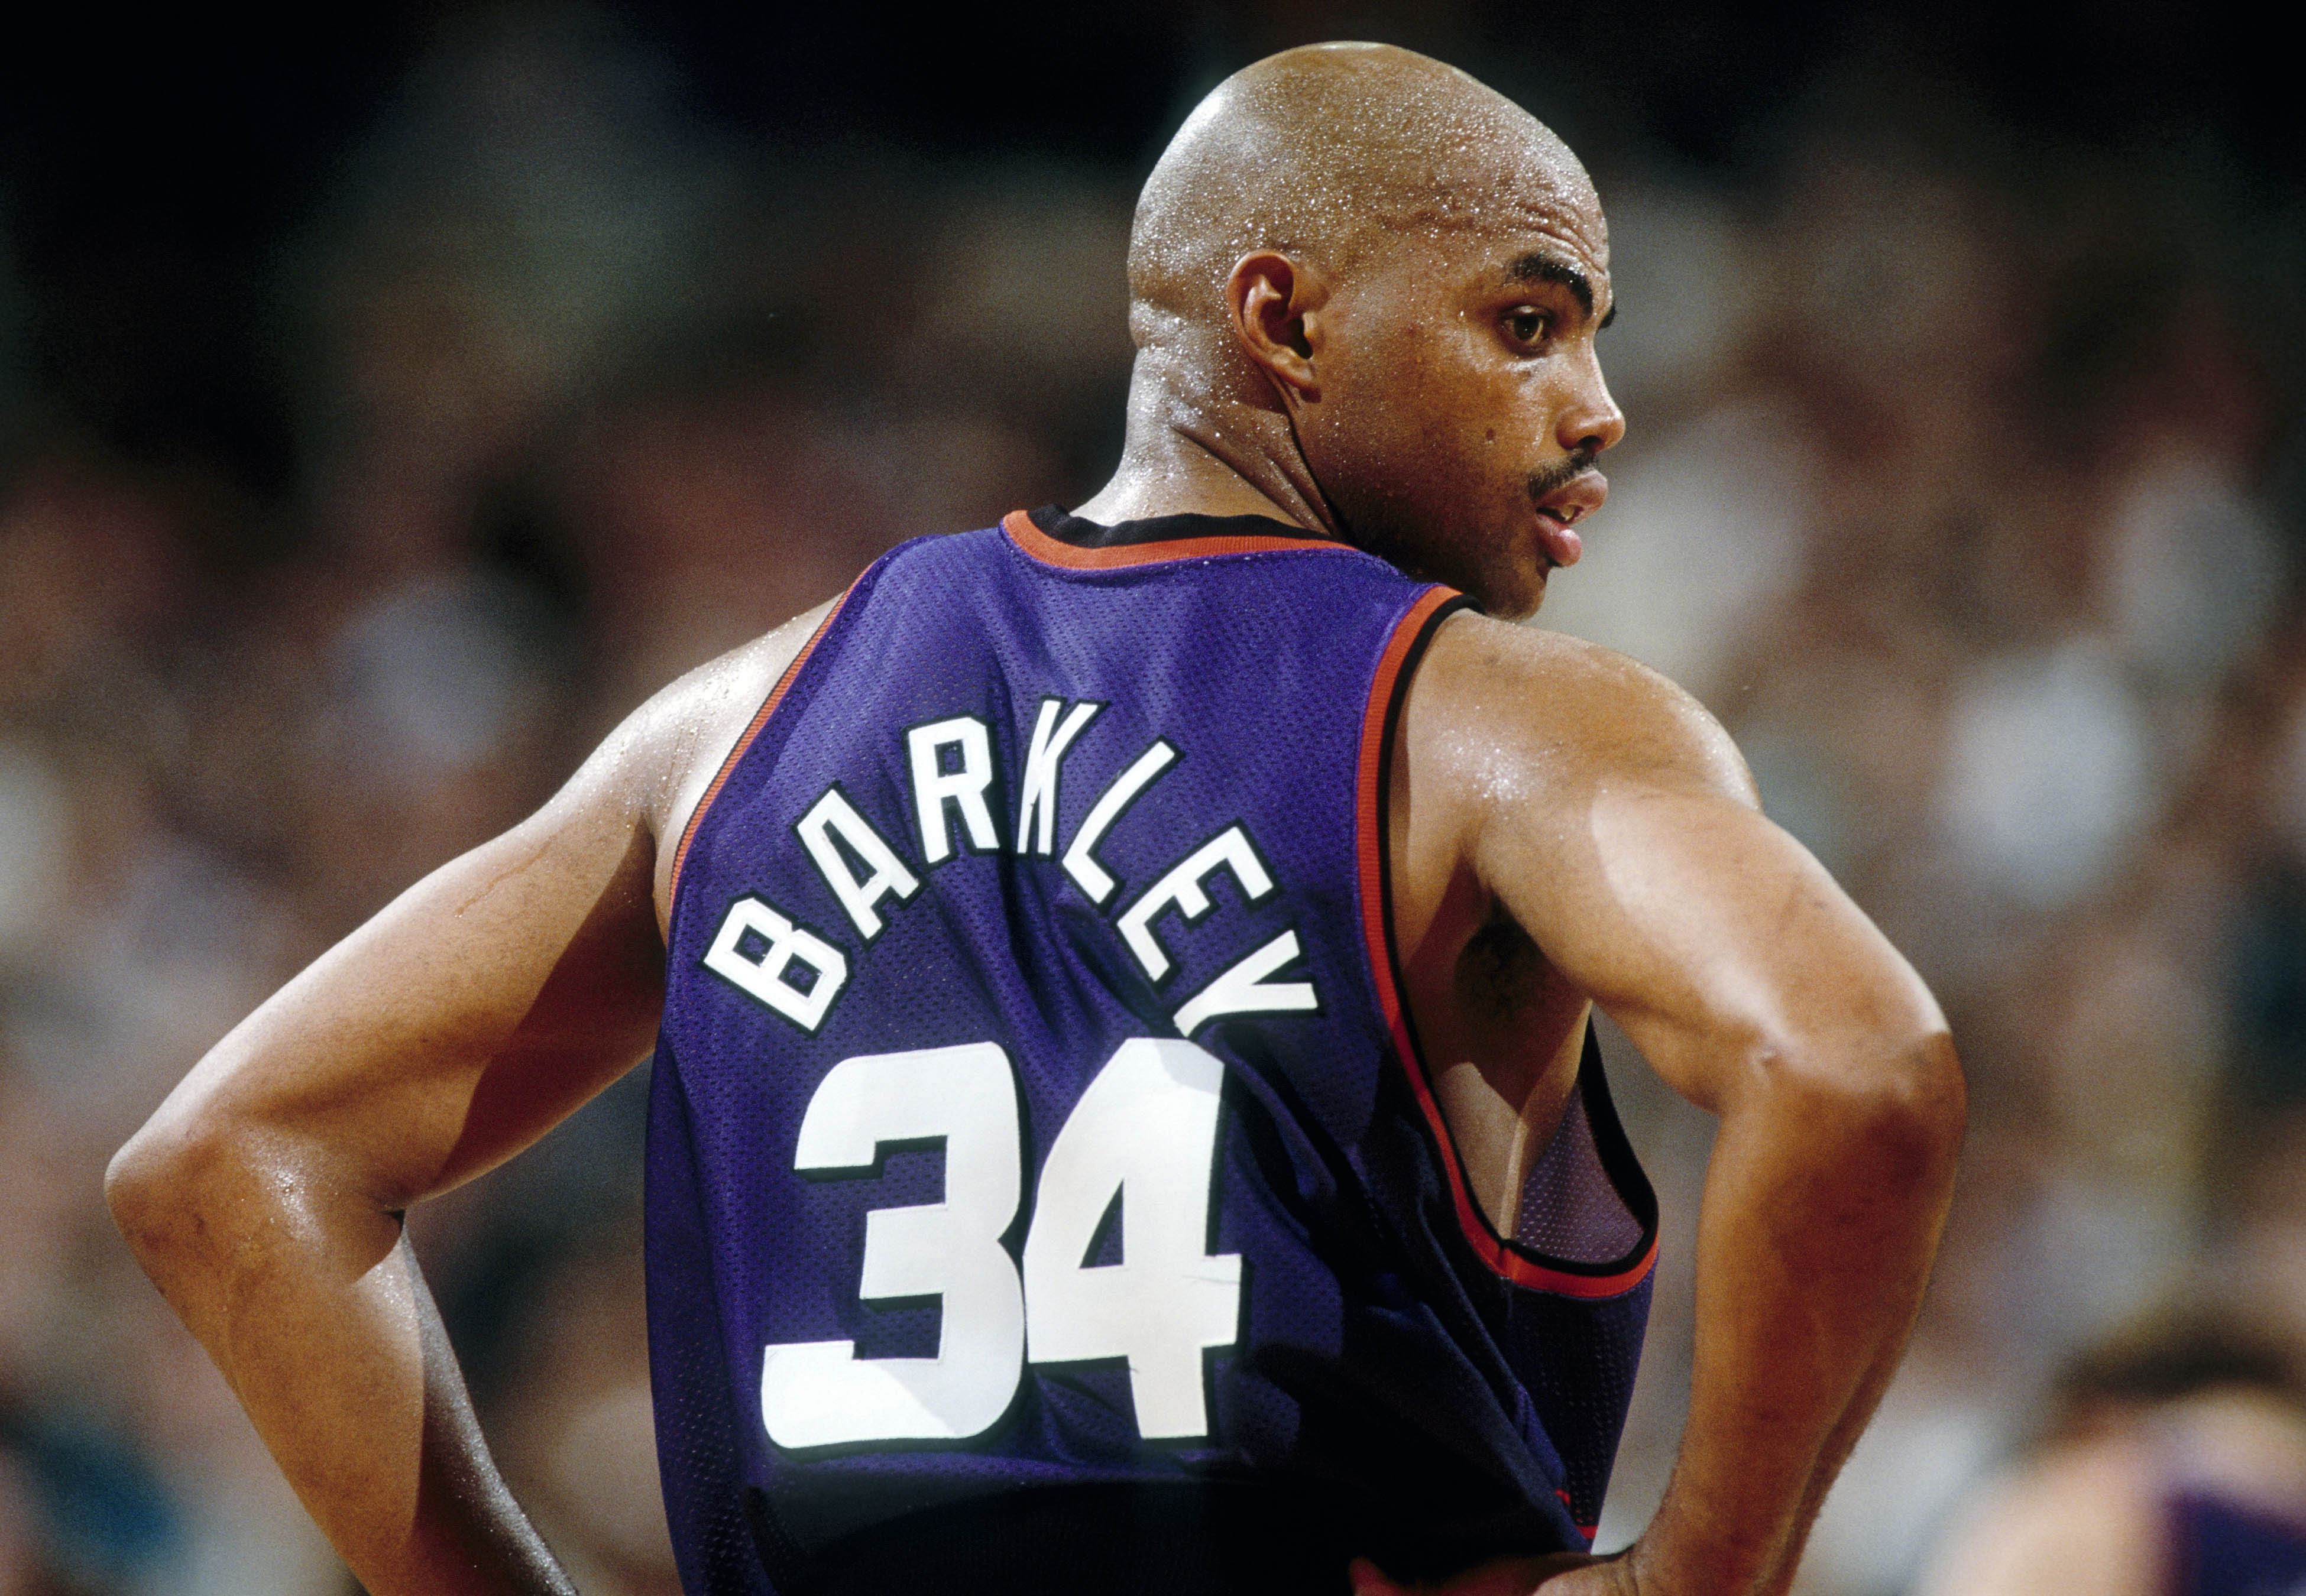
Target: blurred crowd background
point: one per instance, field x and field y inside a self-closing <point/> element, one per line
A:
<point x="387" y="405"/>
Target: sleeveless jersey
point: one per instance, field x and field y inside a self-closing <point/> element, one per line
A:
<point x="1045" y="1192"/>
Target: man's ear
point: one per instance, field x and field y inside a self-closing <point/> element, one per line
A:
<point x="1273" y="300"/>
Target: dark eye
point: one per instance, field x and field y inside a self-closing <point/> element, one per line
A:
<point x="1526" y="326"/>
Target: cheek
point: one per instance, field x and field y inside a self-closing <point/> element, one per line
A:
<point x="1415" y="422"/>
<point x="1477" y="421"/>
<point x="1375" y="414"/>
<point x="1389" y="383"/>
<point x="1443" y="401"/>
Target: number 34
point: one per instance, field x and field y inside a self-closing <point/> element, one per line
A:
<point x="1146" y="1129"/>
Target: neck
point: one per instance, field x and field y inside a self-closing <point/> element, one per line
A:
<point x="1202" y="446"/>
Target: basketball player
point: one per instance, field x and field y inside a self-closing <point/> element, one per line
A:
<point x="1124" y="1116"/>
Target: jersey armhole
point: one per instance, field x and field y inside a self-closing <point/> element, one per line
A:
<point x="1510" y="1260"/>
<point x="745" y="741"/>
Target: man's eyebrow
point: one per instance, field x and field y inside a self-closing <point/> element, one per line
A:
<point x="1539" y="268"/>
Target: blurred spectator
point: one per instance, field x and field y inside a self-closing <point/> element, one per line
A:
<point x="2174" y="1461"/>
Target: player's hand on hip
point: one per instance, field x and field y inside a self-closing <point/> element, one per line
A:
<point x="1559" y="1574"/>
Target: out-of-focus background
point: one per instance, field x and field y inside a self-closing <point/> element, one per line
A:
<point x="387" y="405"/>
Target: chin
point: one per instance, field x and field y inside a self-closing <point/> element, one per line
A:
<point x="1526" y="610"/>
<point x="1510" y="595"/>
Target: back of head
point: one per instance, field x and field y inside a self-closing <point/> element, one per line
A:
<point x="1326" y="153"/>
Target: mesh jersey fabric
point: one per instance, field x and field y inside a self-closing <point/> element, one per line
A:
<point x="1033" y="800"/>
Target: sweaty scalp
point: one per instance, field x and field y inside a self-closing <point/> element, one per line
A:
<point x="1325" y="152"/>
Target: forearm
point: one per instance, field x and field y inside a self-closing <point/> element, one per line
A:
<point x="1839" y="1444"/>
<point x="316" y="1312"/>
<point x="1822" y="1214"/>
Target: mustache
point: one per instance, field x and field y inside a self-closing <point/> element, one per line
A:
<point x="1579" y="462"/>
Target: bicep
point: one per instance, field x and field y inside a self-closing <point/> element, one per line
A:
<point x="480" y="1007"/>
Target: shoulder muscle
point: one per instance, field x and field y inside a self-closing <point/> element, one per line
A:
<point x="674" y="745"/>
<point x="1501" y="709"/>
<point x="1612" y="818"/>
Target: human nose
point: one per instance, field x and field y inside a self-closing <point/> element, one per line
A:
<point x="1590" y="422"/>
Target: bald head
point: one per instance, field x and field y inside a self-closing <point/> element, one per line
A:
<point x="1331" y="151"/>
<point x="1365" y="290"/>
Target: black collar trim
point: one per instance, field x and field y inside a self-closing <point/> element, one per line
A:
<point x="1082" y="534"/>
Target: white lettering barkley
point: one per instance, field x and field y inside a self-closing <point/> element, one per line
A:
<point x="1081" y="862"/>
<point x="764" y="975"/>
<point x="1053" y="734"/>
<point x="885" y="873"/>
<point x="797" y="974"/>
<point x="938" y="792"/>
<point x="1181" y="890"/>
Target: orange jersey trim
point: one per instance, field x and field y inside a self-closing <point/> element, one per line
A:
<point x="1055" y="551"/>
<point x="760" y="719"/>
<point x="1502" y="1256"/>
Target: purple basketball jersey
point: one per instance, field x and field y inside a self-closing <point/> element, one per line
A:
<point x="1044" y="1191"/>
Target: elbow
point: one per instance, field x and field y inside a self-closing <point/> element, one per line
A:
<point x="1900" y="1111"/>
<point x="1923" y="1102"/>
<point x="143" y="1187"/>
<point x="170" y="1183"/>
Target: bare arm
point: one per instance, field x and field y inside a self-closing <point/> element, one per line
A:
<point x="1613" y="820"/>
<point x="477" y="1011"/>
